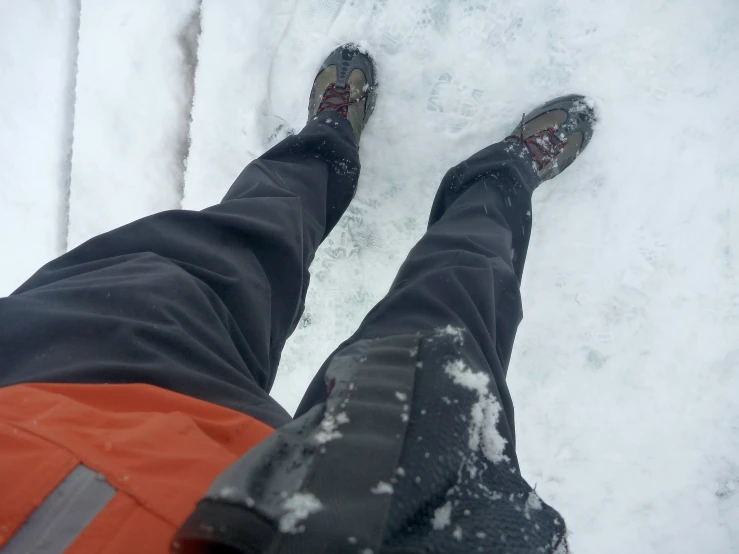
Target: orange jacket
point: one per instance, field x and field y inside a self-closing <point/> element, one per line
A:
<point x="159" y="450"/>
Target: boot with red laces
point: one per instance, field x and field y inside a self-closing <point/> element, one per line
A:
<point x="346" y="85"/>
<point x="555" y="133"/>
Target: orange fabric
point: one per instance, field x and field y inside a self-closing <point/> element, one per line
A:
<point x="159" y="449"/>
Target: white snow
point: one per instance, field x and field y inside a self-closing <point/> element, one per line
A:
<point x="37" y="56"/>
<point x="132" y="113"/>
<point x="442" y="517"/>
<point x="234" y="114"/>
<point x="329" y="428"/>
<point x="452" y="331"/>
<point x="626" y="367"/>
<point x="533" y="501"/>
<point x="297" y="508"/>
<point x="382" y="488"/>
<point x="485" y="412"/>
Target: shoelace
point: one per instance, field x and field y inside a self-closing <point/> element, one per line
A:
<point x="544" y="145"/>
<point x="336" y="99"/>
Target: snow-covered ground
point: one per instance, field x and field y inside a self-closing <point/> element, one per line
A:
<point x="626" y="368"/>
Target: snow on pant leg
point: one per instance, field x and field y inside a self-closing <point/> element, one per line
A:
<point x="465" y="272"/>
<point x="435" y="352"/>
<point x="200" y="303"/>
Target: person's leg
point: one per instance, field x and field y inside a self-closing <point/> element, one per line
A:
<point x="200" y="303"/>
<point x="465" y="271"/>
<point x="458" y="294"/>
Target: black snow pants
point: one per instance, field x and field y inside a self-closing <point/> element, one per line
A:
<point x="201" y="303"/>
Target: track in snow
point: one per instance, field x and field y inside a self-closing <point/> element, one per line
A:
<point x="134" y="97"/>
<point x="38" y="50"/>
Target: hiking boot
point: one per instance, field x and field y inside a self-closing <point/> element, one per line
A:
<point x="347" y="85"/>
<point x="555" y="133"/>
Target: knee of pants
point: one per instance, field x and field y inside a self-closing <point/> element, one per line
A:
<point x="113" y="293"/>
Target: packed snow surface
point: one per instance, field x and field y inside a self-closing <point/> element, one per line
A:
<point x="625" y="372"/>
